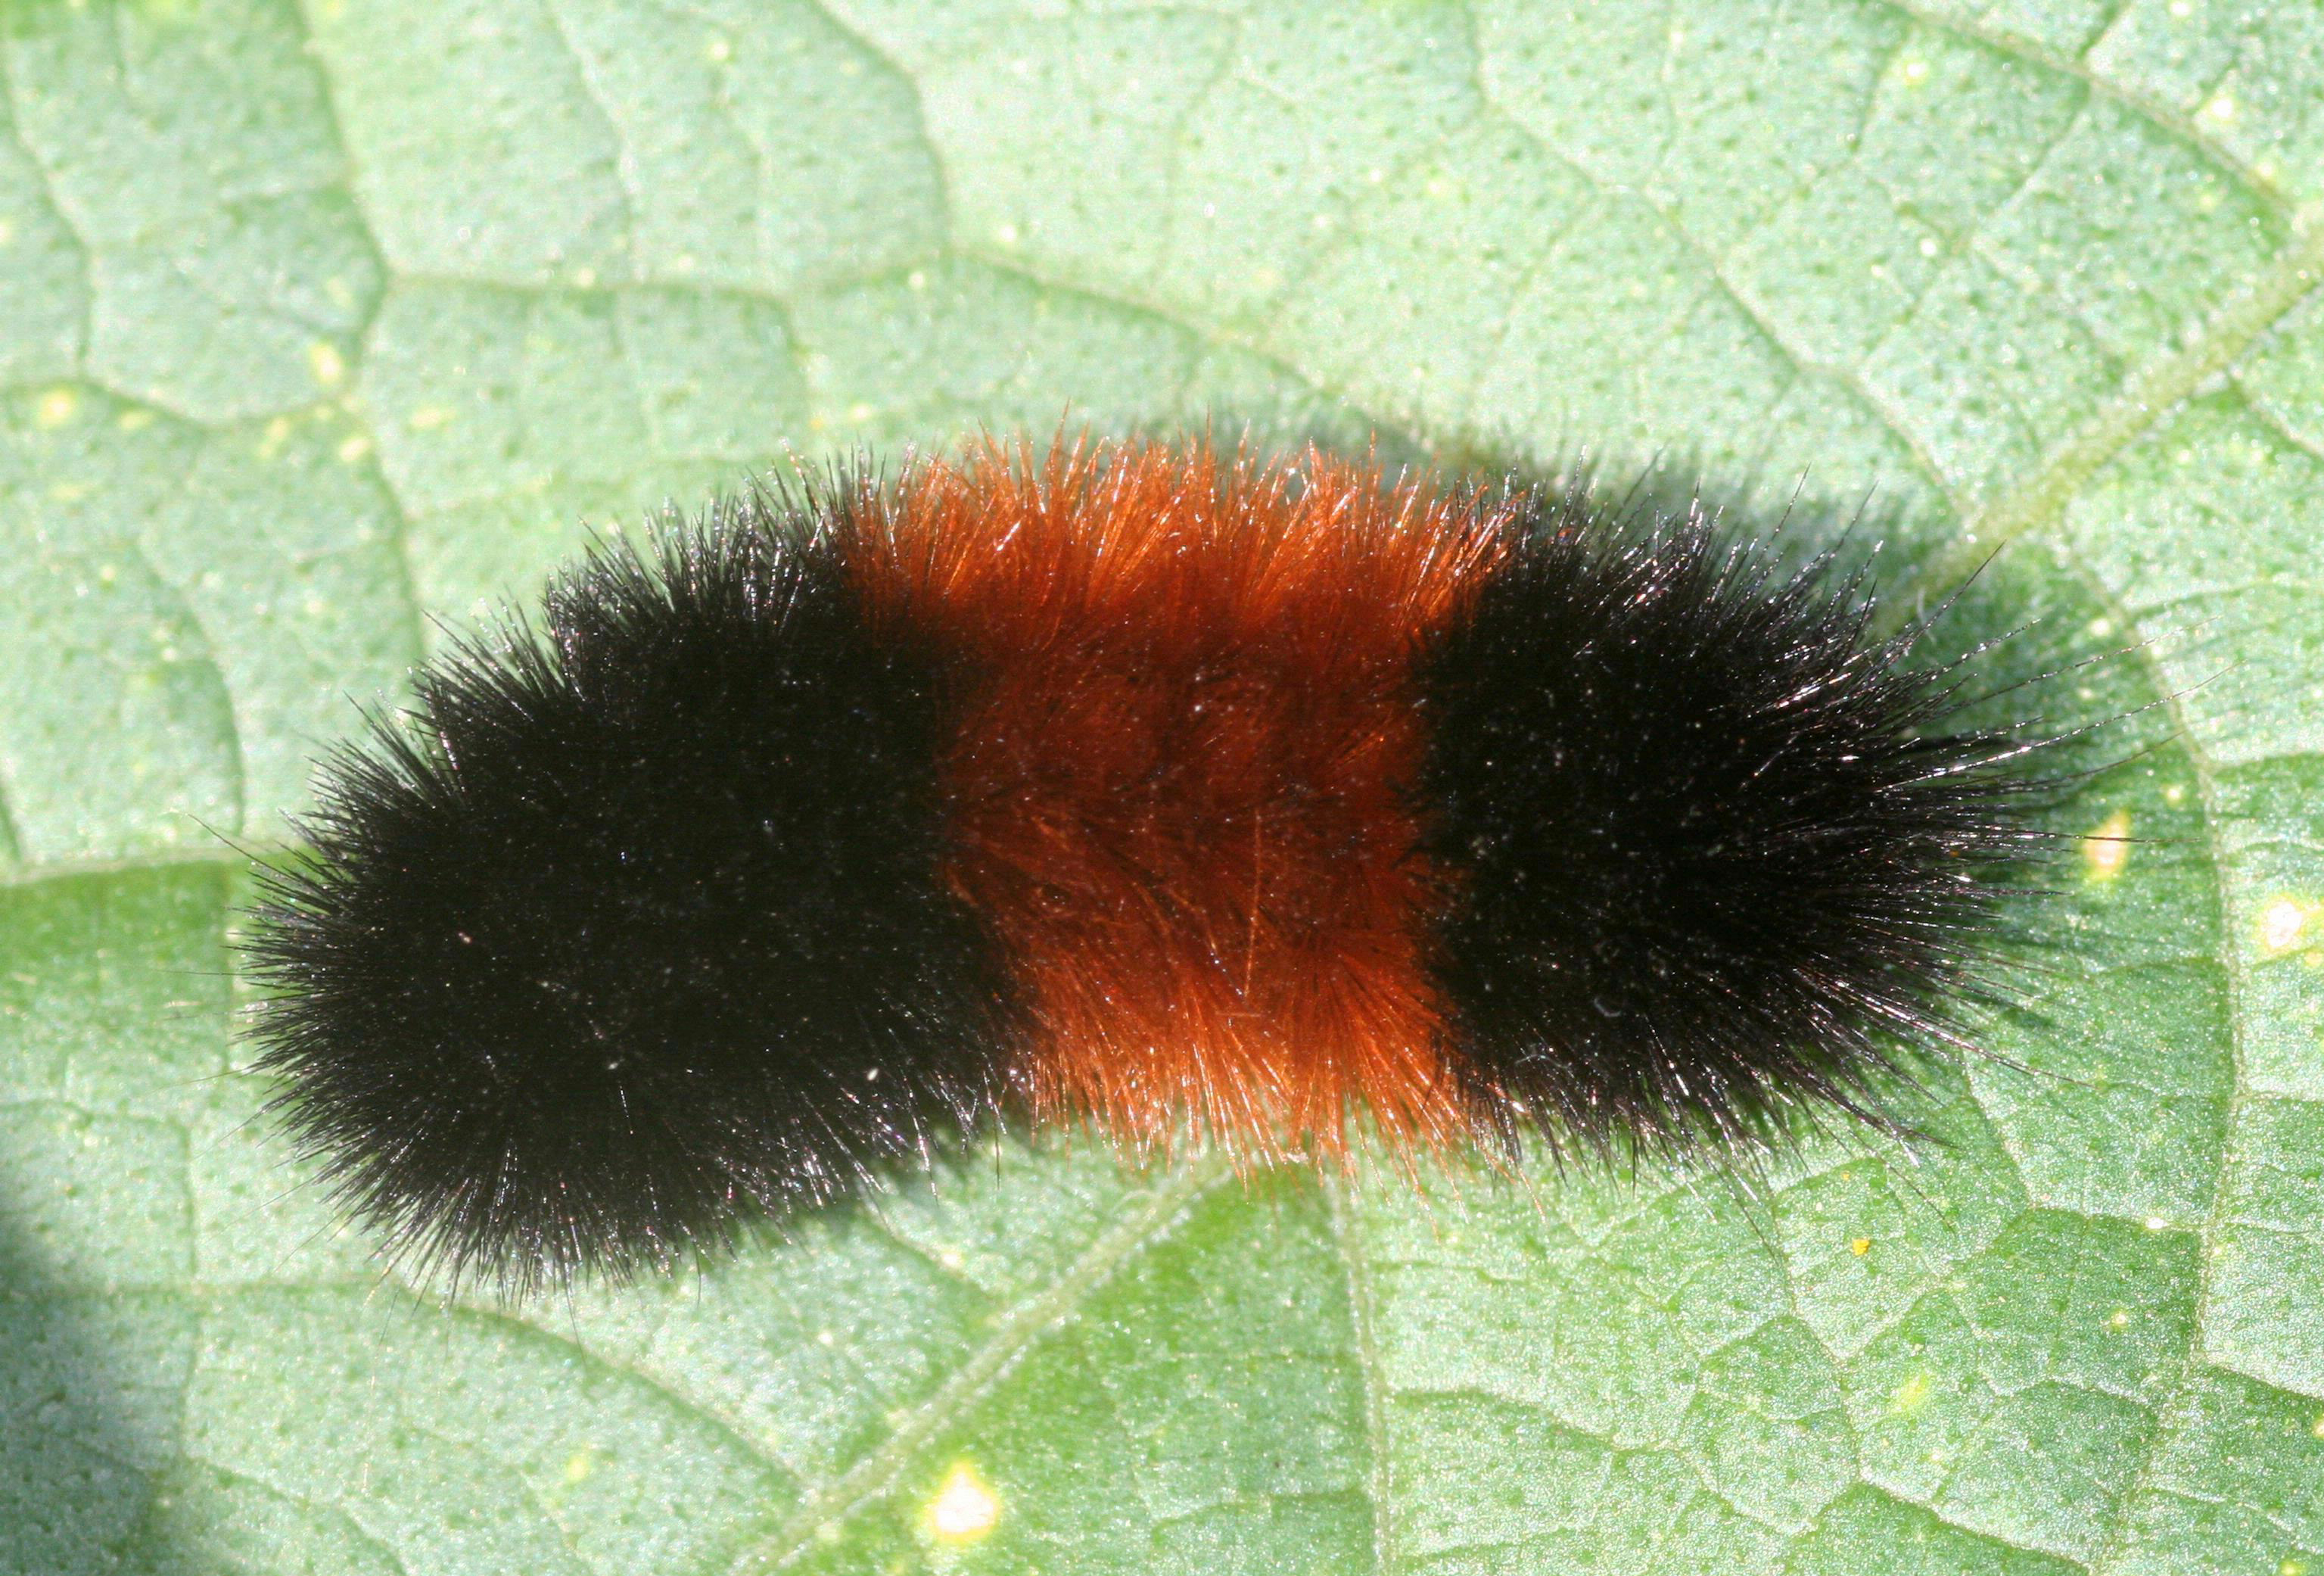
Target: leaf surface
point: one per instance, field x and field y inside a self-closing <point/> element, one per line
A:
<point x="322" y="329"/>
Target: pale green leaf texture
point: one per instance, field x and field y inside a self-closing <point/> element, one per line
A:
<point x="324" y="324"/>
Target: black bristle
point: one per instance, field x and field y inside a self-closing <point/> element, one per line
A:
<point x="636" y="920"/>
<point x="1717" y="849"/>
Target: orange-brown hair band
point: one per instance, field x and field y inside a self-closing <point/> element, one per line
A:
<point x="1181" y="783"/>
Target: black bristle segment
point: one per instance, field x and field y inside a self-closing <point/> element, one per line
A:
<point x="1716" y="850"/>
<point x="635" y="923"/>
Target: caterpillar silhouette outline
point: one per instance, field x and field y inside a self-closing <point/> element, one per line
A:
<point x="1127" y="783"/>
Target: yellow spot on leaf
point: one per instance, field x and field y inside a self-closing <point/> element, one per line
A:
<point x="2119" y="1319"/>
<point x="56" y="408"/>
<point x="1860" y="1247"/>
<point x="134" y="420"/>
<point x="578" y="1465"/>
<point x="328" y="365"/>
<point x="964" y="1508"/>
<point x="2106" y="850"/>
<point x="355" y="449"/>
<point x="427" y="418"/>
<point x="2283" y="924"/>
<point x="1911" y="1395"/>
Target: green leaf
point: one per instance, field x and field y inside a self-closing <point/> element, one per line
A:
<point x="319" y="326"/>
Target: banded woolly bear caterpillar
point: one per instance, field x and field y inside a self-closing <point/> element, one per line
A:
<point x="1122" y="783"/>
